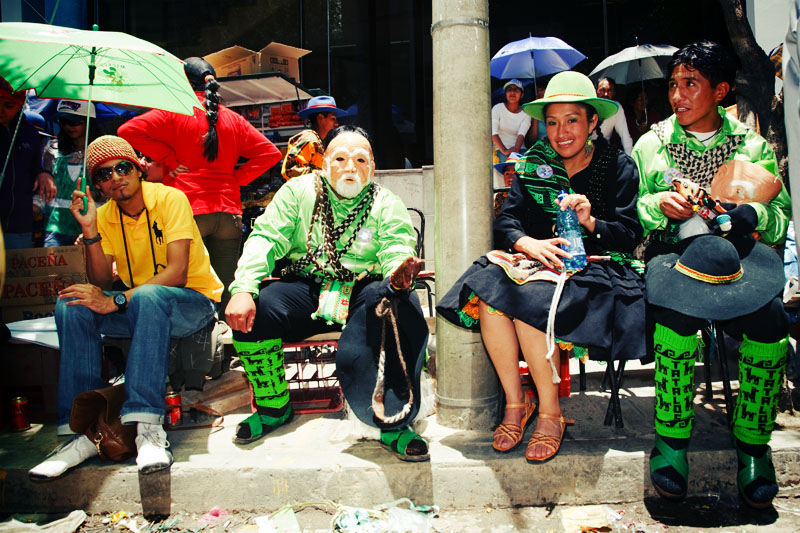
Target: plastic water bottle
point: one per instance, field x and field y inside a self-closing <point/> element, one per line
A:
<point x="569" y="228"/>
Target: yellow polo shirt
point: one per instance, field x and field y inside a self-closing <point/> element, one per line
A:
<point x="167" y="218"/>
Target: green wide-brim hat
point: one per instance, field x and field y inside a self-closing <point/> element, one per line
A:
<point x="568" y="88"/>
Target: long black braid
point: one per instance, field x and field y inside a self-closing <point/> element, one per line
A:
<point x="202" y="77"/>
<point x="211" y="142"/>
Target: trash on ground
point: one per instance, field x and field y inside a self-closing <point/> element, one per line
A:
<point x="585" y="518"/>
<point x="281" y="521"/>
<point x="38" y="522"/>
<point x="167" y="525"/>
<point x="388" y="517"/>
<point x="129" y="523"/>
<point x="215" y="515"/>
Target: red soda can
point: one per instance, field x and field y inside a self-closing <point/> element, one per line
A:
<point x="173" y="404"/>
<point x="19" y="414"/>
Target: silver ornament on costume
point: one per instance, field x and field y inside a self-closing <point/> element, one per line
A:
<point x="364" y="235"/>
<point x="672" y="174"/>
<point x="544" y="171"/>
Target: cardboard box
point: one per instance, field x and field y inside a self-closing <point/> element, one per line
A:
<point x="32" y="371"/>
<point x="30" y="262"/>
<point x="38" y="290"/>
<point x="234" y="61"/>
<point x="277" y="57"/>
<point x="29" y="364"/>
<point x="15" y="313"/>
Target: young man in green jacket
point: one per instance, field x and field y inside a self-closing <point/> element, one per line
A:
<point x="345" y="243"/>
<point x="712" y="277"/>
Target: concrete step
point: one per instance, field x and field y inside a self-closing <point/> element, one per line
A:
<point x="330" y="457"/>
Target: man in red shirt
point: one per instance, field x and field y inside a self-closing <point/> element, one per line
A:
<point x="200" y="155"/>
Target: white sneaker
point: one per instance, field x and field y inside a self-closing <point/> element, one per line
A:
<point x="152" y="444"/>
<point x="70" y="454"/>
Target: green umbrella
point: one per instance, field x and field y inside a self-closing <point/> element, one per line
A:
<point x="101" y="66"/>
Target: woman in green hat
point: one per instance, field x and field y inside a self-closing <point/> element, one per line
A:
<point x="601" y="308"/>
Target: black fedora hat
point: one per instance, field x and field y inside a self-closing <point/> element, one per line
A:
<point x="715" y="278"/>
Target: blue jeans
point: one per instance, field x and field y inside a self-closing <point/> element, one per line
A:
<point x="155" y="313"/>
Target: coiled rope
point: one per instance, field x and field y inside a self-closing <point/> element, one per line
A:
<point x="387" y="311"/>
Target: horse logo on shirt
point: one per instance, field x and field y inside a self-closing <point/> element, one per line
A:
<point x="158" y="233"/>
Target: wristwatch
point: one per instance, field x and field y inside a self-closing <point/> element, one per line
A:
<point x="92" y="240"/>
<point x="122" y="302"/>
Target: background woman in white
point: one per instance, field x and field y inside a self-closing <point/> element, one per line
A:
<point x="509" y="125"/>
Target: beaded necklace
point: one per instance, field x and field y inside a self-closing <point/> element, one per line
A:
<point x="323" y="214"/>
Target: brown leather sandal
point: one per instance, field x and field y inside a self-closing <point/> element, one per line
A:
<point x="513" y="431"/>
<point x="551" y="442"/>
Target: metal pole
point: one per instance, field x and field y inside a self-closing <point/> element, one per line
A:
<point x="300" y="23"/>
<point x="467" y="390"/>
<point x="328" y="25"/>
<point x="605" y="29"/>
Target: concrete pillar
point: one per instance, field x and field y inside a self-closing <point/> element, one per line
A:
<point x="467" y="389"/>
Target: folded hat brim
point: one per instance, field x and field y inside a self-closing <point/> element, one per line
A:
<point x="305" y="113"/>
<point x="761" y="281"/>
<point x="605" y="108"/>
<point x="71" y="116"/>
<point x="501" y="167"/>
<point x="357" y="360"/>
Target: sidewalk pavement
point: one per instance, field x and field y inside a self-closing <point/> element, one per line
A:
<point x="321" y="457"/>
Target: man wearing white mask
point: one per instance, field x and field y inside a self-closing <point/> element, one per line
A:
<point x="345" y="243"/>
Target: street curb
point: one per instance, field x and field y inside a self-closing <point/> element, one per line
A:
<point x="304" y="465"/>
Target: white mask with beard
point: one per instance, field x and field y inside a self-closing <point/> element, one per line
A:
<point x="348" y="164"/>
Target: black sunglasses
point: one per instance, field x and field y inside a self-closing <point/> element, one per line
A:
<point x="103" y="174"/>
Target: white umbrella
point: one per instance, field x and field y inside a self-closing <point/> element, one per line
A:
<point x="636" y="63"/>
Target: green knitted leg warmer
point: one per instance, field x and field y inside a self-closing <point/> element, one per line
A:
<point x="761" y="368"/>
<point x="674" y="382"/>
<point x="263" y="362"/>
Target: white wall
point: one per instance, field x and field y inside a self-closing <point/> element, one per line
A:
<point x="769" y="20"/>
<point x="415" y="187"/>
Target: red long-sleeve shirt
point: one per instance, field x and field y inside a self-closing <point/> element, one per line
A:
<point x="211" y="186"/>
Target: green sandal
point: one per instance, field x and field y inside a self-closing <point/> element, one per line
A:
<point x="397" y="442"/>
<point x="677" y="459"/>
<point x="260" y="425"/>
<point x="753" y="469"/>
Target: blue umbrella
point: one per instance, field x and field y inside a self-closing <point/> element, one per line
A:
<point x="45" y="108"/>
<point x="534" y="56"/>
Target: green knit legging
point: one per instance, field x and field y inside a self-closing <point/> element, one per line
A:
<point x="761" y="369"/>
<point x="675" y="357"/>
<point x="263" y="362"/>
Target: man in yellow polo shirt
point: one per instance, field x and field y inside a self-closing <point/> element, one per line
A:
<point x="149" y="230"/>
